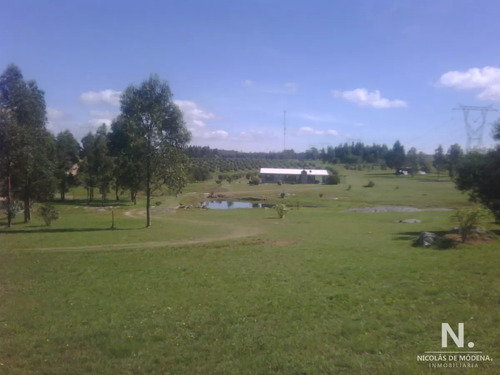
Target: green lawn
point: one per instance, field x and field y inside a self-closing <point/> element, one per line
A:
<point x="242" y="292"/>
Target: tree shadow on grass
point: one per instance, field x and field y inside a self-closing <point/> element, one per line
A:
<point x="93" y="203"/>
<point x="61" y="230"/>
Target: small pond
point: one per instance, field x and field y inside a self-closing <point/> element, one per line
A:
<point x="229" y="205"/>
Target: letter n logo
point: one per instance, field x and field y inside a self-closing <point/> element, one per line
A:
<point x="446" y="330"/>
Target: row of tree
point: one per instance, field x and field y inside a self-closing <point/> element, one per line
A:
<point x="143" y="151"/>
<point x="146" y="147"/>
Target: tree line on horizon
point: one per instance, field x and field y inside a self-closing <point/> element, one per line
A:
<point x="146" y="147"/>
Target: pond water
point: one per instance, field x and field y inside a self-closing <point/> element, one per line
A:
<point x="229" y="205"/>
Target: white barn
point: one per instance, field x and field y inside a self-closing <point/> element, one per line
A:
<point x="293" y="176"/>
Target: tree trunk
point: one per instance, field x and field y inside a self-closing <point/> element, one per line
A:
<point x="9" y="203"/>
<point x="148" y="184"/>
<point x="27" y="210"/>
<point x="116" y="193"/>
<point x="63" y="195"/>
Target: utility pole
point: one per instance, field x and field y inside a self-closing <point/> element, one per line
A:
<point x="474" y="134"/>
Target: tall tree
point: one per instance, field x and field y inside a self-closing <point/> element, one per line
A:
<point x="496" y="130"/>
<point x="439" y="160"/>
<point x="395" y="158"/>
<point x="479" y="175"/>
<point x="412" y="160"/>
<point x="104" y="162"/>
<point x="88" y="165"/>
<point x="453" y="158"/>
<point x="128" y="171"/>
<point x="27" y="149"/>
<point x="158" y="133"/>
<point x="67" y="149"/>
<point x="97" y="164"/>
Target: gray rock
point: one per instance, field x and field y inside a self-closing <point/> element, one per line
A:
<point x="427" y="239"/>
<point x="409" y="221"/>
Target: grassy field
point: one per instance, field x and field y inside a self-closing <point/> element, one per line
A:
<point x="321" y="291"/>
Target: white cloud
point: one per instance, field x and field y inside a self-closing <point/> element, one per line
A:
<point x="196" y="121"/>
<point x="255" y="135"/>
<point x="317" y="118"/>
<point x="364" y="98"/>
<point x="104" y="114"/>
<point x="486" y="79"/>
<point x="96" y="122"/>
<point x="55" y="115"/>
<point x="101" y="117"/>
<point x="248" y="83"/>
<point x="57" y="119"/>
<point x="193" y="115"/>
<point x="213" y="135"/>
<point x="105" y="97"/>
<point x="307" y="130"/>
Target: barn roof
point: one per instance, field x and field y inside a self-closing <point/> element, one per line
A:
<point x="289" y="171"/>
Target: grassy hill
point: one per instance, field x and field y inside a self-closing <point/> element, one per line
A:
<point x="322" y="291"/>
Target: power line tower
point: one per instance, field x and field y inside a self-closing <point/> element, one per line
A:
<point x="474" y="133"/>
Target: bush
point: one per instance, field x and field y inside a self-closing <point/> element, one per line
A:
<point x="255" y="180"/>
<point x="468" y="221"/>
<point x="15" y="209"/>
<point x="333" y="179"/>
<point x="444" y="243"/>
<point x="282" y="195"/>
<point x="281" y="209"/>
<point x="48" y="213"/>
<point x="370" y="184"/>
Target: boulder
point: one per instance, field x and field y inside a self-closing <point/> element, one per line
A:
<point x="409" y="221"/>
<point x="427" y="239"/>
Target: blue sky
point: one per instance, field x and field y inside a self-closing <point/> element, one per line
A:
<point x="373" y="71"/>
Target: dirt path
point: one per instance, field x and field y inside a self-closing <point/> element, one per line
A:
<point x="236" y="234"/>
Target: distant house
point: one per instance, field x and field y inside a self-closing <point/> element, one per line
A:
<point x="293" y="176"/>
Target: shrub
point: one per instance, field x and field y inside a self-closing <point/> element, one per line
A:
<point x="48" y="213"/>
<point x="281" y="209"/>
<point x="444" y="243"/>
<point x="282" y="195"/>
<point x="255" y="180"/>
<point x="468" y="220"/>
<point x="15" y="209"/>
<point x="370" y="184"/>
<point x="333" y="179"/>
